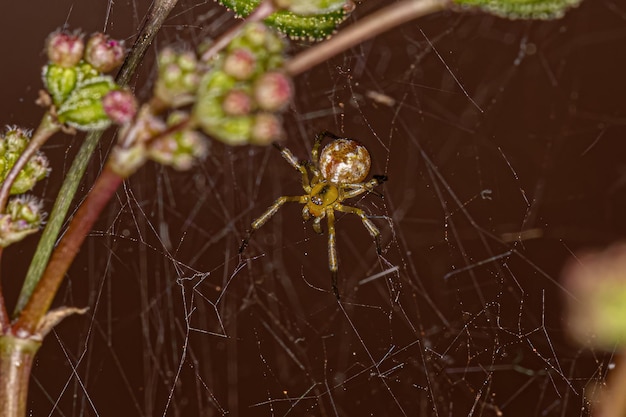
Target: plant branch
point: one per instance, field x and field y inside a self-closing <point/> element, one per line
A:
<point x="149" y="28"/>
<point x="16" y="359"/>
<point x="47" y="127"/>
<point x="366" y="28"/>
<point x="66" y="251"/>
<point x="5" y="321"/>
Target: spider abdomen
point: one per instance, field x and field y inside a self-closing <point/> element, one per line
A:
<point x="344" y="161"/>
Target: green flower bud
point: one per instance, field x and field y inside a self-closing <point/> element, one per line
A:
<point x="36" y="169"/>
<point x="83" y="108"/>
<point x="23" y="217"/>
<point x="59" y="81"/>
<point x="178" y="78"/>
<point x="179" y="150"/>
<point x="12" y="144"/>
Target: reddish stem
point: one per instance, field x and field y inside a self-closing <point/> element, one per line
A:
<point x="66" y="251"/>
<point x="369" y="26"/>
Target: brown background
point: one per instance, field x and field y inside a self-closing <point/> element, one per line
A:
<point x="447" y="334"/>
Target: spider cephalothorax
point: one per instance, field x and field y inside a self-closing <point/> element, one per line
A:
<point x="336" y="174"/>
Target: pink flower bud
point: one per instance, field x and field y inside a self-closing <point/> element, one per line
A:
<point x="104" y="53"/>
<point x="65" y="49"/>
<point x="120" y="106"/>
<point x="240" y="63"/>
<point x="237" y="103"/>
<point x="266" y="129"/>
<point x="272" y="91"/>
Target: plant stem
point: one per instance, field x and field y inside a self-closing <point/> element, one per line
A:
<point x="66" y="251"/>
<point x="47" y="127"/>
<point x="366" y="28"/>
<point x="5" y="321"/>
<point x="149" y="28"/>
<point x="16" y="359"/>
<point x="151" y="25"/>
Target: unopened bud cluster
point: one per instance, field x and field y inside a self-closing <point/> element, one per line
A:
<point x="75" y="80"/>
<point x="168" y="143"/>
<point x="240" y="98"/>
<point x="179" y="149"/>
<point x="178" y="78"/>
<point x="22" y="217"/>
<point x="23" y="214"/>
<point x="12" y="144"/>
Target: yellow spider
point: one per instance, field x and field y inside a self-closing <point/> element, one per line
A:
<point x="337" y="173"/>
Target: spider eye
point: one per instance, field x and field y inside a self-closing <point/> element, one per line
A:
<point x="344" y="161"/>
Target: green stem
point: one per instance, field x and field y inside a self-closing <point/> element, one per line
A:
<point x="66" y="251"/>
<point x="47" y="127"/>
<point x="16" y="359"/>
<point x="150" y="26"/>
<point x="374" y="24"/>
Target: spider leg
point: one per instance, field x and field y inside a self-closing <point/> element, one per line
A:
<point x="317" y="225"/>
<point x="294" y="162"/>
<point x="318" y="141"/>
<point x="369" y="225"/>
<point x="332" y="251"/>
<point x="352" y="190"/>
<point x="263" y="218"/>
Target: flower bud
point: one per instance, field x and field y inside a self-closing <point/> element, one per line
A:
<point x="23" y="217"/>
<point x="36" y="169"/>
<point x="272" y="91"/>
<point x="120" y="106"/>
<point x="267" y="128"/>
<point x="83" y="108"/>
<point x="12" y="145"/>
<point x="104" y="53"/>
<point x="240" y="63"/>
<point x="65" y="49"/>
<point x="236" y="103"/>
<point x="179" y="150"/>
<point x="178" y="77"/>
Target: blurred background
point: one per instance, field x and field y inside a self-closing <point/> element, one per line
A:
<point x="504" y="146"/>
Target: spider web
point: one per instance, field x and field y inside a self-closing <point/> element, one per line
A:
<point x="499" y="140"/>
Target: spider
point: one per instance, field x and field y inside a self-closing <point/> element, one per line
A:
<point x="336" y="174"/>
